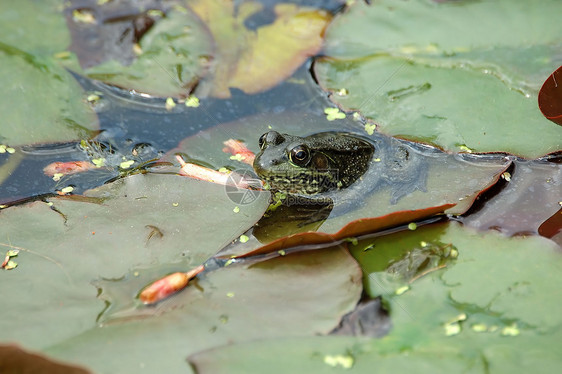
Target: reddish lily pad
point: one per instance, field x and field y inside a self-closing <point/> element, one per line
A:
<point x="550" y="97"/>
<point x="530" y="196"/>
<point x="15" y="360"/>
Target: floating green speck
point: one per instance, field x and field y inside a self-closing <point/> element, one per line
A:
<point x="192" y="102"/>
<point x="57" y="176"/>
<point x="345" y="362"/>
<point x="231" y="261"/>
<point x="244" y="238"/>
<point x="282" y="252"/>
<point x="126" y="164"/>
<point x="370" y="128"/>
<point x="506" y="176"/>
<point x="237" y="157"/>
<point x="479" y="327"/>
<point x="83" y="16"/>
<point x="12" y="252"/>
<point x="333" y="114"/>
<point x="99" y="162"/>
<point x="342" y="92"/>
<point x="512" y="330"/>
<point x="236" y="209"/>
<point x="11" y="265"/>
<point x="175" y="204"/>
<point x="155" y="13"/>
<point x="452" y="329"/>
<point x="67" y="189"/>
<point x="230" y="294"/>
<point x="412" y="226"/>
<point x="92" y="98"/>
<point x="170" y="103"/>
<point x="401" y="290"/>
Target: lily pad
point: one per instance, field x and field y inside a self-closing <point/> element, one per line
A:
<point x="15" y="360"/>
<point x="36" y="27"/>
<point x="297" y="295"/>
<point x="206" y="44"/>
<point x="58" y="112"/>
<point x="256" y="60"/>
<point x="416" y="82"/>
<point x="502" y="307"/>
<point x="528" y="199"/>
<point x="137" y="223"/>
<point x="550" y="97"/>
<point x="173" y="56"/>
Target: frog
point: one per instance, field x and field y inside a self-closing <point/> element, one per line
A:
<point x="338" y="169"/>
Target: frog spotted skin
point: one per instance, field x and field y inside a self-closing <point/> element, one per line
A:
<point x="338" y="167"/>
<point x="313" y="165"/>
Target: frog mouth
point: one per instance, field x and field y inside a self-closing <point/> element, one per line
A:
<point x="305" y="183"/>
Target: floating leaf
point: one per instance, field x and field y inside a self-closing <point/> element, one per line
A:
<point x="442" y="85"/>
<point x="58" y="114"/>
<point x="173" y="58"/>
<point x="15" y="360"/>
<point x="550" y="97"/>
<point x="105" y="236"/>
<point x="256" y="60"/>
<point x="303" y="294"/>
<point x="501" y="309"/>
<point x="529" y="199"/>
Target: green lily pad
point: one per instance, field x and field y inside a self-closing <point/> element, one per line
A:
<point x="442" y="85"/>
<point x="57" y="112"/>
<point x="174" y="56"/>
<point x="296" y="295"/>
<point x="492" y="309"/>
<point x="36" y="27"/>
<point x="322" y="355"/>
<point x="139" y="223"/>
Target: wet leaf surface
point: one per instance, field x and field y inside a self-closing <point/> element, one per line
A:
<point x="449" y="88"/>
<point x="15" y="360"/>
<point x="59" y="113"/>
<point x="172" y="58"/>
<point x="136" y="223"/>
<point x="457" y="319"/>
<point x="550" y="97"/>
<point x="203" y="44"/>
<point x="296" y="295"/>
<point x="528" y="199"/>
<point x="246" y="58"/>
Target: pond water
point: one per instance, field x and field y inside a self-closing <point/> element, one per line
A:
<point x="448" y="257"/>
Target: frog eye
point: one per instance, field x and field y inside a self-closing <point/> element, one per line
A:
<point x="261" y="141"/>
<point x="299" y="155"/>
